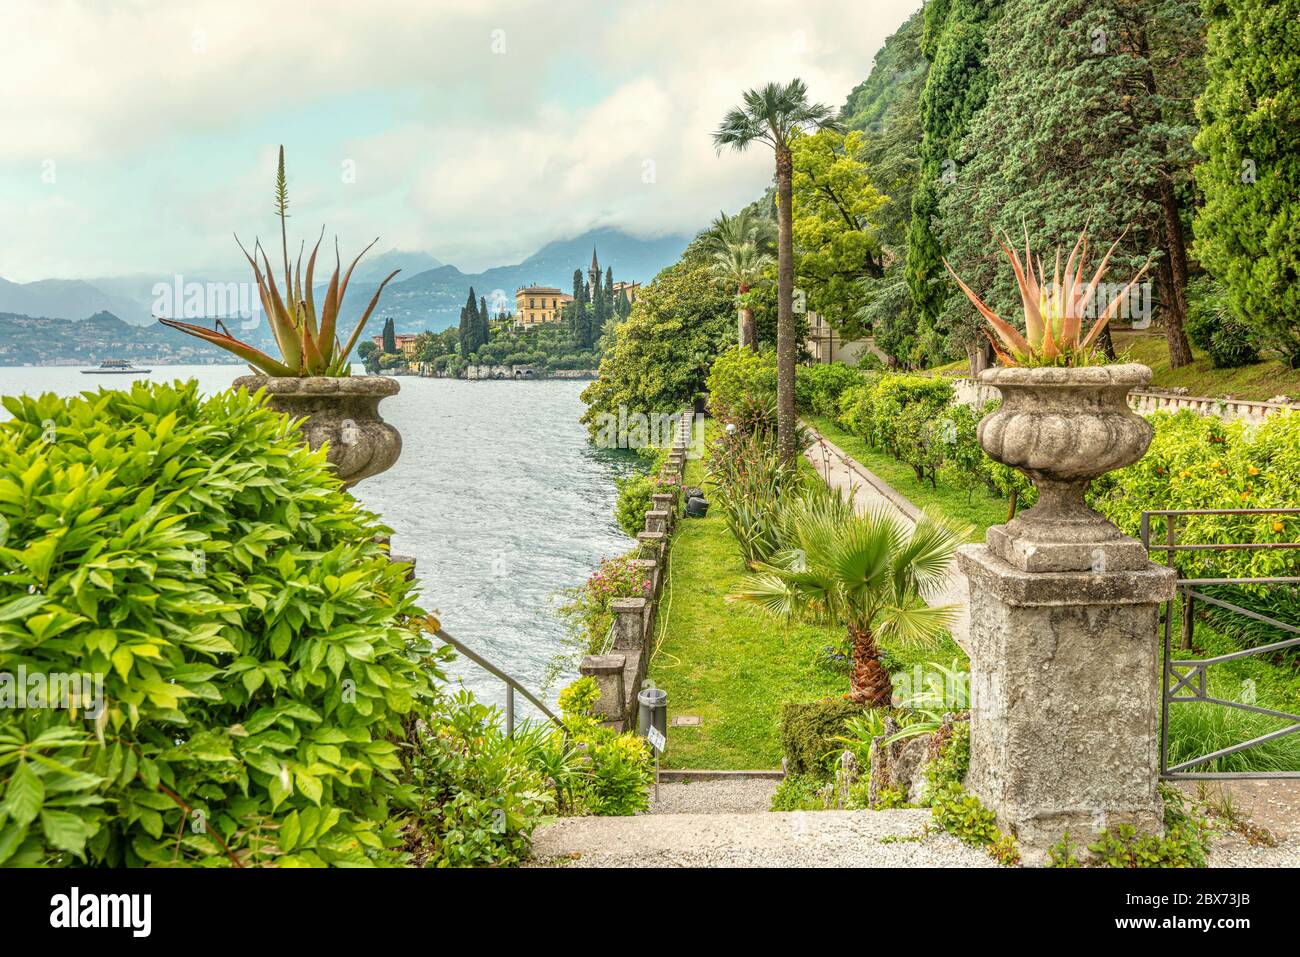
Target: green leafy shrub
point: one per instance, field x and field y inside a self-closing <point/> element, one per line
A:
<point x="798" y="792"/>
<point x="926" y="396"/>
<point x="854" y="412"/>
<point x="962" y="815"/>
<point x="619" y="769"/>
<point x="1186" y="841"/>
<point x="249" y="634"/>
<point x="739" y="377"/>
<point x="477" y="793"/>
<point x="633" y="502"/>
<point x="1212" y="326"/>
<point x="818" y="387"/>
<point x="808" y="733"/>
<point x="1202" y="462"/>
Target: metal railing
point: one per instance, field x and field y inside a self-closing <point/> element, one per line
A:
<point x="512" y="685"/>
<point x="1189" y="675"/>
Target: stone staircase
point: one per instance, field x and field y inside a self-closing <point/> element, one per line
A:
<point x="725" y="823"/>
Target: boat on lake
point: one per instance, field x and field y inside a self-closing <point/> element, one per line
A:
<point x="115" y="367"/>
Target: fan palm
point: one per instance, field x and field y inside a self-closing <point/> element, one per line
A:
<point x="775" y="114"/>
<point x="741" y="266"/>
<point x="865" y="572"/>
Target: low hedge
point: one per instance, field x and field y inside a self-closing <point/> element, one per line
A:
<point x="807" y="733"/>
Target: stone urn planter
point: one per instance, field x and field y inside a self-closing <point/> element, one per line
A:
<point x="1064" y="427"/>
<point x="343" y="411"/>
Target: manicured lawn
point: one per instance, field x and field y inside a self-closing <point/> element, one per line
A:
<point x="1263" y="380"/>
<point x="977" y="509"/>
<point x="731" y="667"/>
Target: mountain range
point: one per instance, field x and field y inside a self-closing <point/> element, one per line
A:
<point x="426" y="294"/>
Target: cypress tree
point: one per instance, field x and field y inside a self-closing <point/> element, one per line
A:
<point x="464" y="334"/>
<point x="473" y="325"/>
<point x="484" y="321"/>
<point x="580" y="327"/>
<point x="390" y="336"/>
<point x="956" y="89"/>
<point x="1248" y="232"/>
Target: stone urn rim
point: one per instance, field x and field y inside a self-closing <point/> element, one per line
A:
<point x="1130" y="375"/>
<point x="321" y="385"/>
<point x="1062" y="427"/>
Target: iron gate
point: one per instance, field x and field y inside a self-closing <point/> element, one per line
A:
<point x="1184" y="681"/>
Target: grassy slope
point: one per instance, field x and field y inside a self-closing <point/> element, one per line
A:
<point x="978" y="509"/>
<point x="1261" y="381"/>
<point x="724" y="663"/>
<point x="732" y="667"/>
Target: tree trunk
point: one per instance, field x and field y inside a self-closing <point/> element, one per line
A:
<point x="1173" y="271"/>
<point x="977" y="357"/>
<point x="1174" y="307"/>
<point x="748" y="329"/>
<point x="869" y="683"/>
<point x="785" y="344"/>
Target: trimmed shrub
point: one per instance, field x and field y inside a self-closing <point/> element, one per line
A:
<point x="257" y="673"/>
<point x="817" y="388"/>
<point x="808" y="733"/>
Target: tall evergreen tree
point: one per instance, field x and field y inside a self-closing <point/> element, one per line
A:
<point x="624" y="304"/>
<point x="1077" y="130"/>
<point x="1248" y="233"/>
<point x="390" y="336"/>
<point x="484" y="321"/>
<point x="465" y="335"/>
<point x="473" y="323"/>
<point x="956" y="89"/>
<point x="579" y="326"/>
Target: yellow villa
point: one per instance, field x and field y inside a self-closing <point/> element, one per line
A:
<point x="537" y="304"/>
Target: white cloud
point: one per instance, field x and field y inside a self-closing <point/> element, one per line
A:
<point x="491" y="154"/>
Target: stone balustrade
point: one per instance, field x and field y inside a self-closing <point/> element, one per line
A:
<point x="970" y="392"/>
<point x="620" y="672"/>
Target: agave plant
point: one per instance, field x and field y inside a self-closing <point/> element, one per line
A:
<point x="307" y="340"/>
<point x="1054" y="311"/>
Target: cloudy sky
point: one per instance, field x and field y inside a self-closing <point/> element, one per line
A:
<point x="138" y="134"/>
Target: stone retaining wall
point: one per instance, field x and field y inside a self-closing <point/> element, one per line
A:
<point x="620" y="671"/>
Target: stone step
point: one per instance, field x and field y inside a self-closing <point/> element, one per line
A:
<point x="736" y="795"/>
<point x="892" y="838"/>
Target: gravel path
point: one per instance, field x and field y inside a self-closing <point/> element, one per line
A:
<point x="841" y="471"/>
<point x="715" y="797"/>
<point x="794" y="839"/>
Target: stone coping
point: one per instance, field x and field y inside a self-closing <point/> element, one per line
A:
<point x="1152" y="584"/>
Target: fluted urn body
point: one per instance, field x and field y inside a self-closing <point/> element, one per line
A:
<point x="340" y="410"/>
<point x="1064" y="427"/>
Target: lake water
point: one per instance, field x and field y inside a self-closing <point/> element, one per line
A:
<point x="497" y="495"/>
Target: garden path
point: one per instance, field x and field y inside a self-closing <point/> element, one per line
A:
<point x="841" y="471"/>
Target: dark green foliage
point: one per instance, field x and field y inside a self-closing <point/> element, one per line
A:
<point x="799" y="792"/>
<point x="389" y="337"/>
<point x="1086" y="122"/>
<point x="956" y="89"/>
<point x="808" y="732"/>
<point x="1212" y="326"/>
<point x="658" y="358"/>
<point x="1248" y="231"/>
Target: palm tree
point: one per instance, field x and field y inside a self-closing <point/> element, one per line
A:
<point x="740" y="266"/>
<point x="865" y="572"/>
<point x="776" y="114"/>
